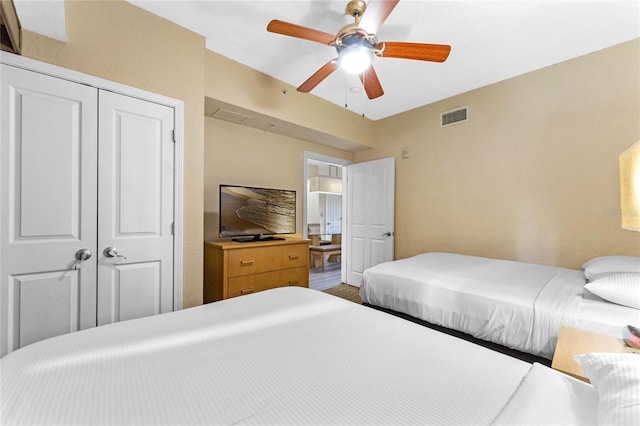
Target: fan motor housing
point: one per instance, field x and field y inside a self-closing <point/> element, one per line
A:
<point x="356" y="8"/>
<point x="358" y="37"/>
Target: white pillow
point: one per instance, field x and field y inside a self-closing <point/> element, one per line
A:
<point x="605" y="264"/>
<point x="616" y="378"/>
<point x="622" y="288"/>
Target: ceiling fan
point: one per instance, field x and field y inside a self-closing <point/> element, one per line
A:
<point x="356" y="44"/>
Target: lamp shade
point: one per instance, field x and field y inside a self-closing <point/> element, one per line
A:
<point x="630" y="187"/>
<point x="325" y="184"/>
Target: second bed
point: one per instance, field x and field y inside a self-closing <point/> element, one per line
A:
<point x="514" y="304"/>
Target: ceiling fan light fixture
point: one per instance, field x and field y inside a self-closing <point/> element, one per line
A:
<point x="356" y="45"/>
<point x="355" y="58"/>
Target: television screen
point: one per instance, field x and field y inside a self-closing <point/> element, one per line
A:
<point x="247" y="211"/>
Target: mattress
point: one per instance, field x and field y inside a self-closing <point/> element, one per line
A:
<point x="283" y="356"/>
<point x="517" y="305"/>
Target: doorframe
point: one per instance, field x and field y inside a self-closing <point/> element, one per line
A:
<point x="310" y="155"/>
<point x="178" y="107"/>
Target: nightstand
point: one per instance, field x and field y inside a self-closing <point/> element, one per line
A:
<point x="575" y="341"/>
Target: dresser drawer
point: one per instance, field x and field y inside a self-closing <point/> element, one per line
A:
<point x="258" y="282"/>
<point x="256" y="260"/>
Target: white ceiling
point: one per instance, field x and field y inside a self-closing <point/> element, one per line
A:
<point x="491" y="41"/>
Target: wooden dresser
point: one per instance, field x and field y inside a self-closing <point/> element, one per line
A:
<point x="233" y="268"/>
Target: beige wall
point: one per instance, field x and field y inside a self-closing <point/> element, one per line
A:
<point x="533" y="174"/>
<point x="240" y="155"/>
<point x="120" y="42"/>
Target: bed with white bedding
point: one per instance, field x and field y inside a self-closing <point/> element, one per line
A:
<point x="283" y="356"/>
<point x="514" y="304"/>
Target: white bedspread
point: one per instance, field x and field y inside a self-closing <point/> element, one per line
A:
<point x="518" y="305"/>
<point x="283" y="356"/>
<point x="548" y="398"/>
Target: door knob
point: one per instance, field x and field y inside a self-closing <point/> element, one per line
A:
<point x="81" y="256"/>
<point x="387" y="234"/>
<point x="112" y="252"/>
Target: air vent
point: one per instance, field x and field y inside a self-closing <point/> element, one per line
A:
<point x="454" y="117"/>
<point x="227" y="115"/>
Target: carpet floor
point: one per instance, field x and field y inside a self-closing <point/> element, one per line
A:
<point x="346" y="291"/>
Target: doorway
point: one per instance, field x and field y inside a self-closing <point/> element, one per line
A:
<point x="323" y="218"/>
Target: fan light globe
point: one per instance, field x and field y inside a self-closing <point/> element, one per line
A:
<point x="355" y="59"/>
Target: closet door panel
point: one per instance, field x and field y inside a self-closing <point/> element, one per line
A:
<point x="37" y="317"/>
<point x="48" y="161"/>
<point x="136" y="290"/>
<point x="139" y="155"/>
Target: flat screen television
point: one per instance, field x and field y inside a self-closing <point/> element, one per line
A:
<point x="256" y="214"/>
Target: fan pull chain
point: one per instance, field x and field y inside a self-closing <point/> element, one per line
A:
<point x="346" y="94"/>
<point x="364" y="80"/>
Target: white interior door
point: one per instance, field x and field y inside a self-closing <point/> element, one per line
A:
<point x="334" y="213"/>
<point x="135" y="210"/>
<point x="48" y="207"/>
<point x="370" y="216"/>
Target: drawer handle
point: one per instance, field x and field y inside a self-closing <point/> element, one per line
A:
<point x="294" y="282"/>
<point x="246" y="291"/>
<point x="247" y="262"/>
<point x="293" y="257"/>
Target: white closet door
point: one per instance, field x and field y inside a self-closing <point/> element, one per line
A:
<point x="47" y="207"/>
<point x="135" y="210"/>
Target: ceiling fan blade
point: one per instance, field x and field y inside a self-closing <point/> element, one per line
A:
<point x="371" y="83"/>
<point x="418" y="51"/>
<point x="293" y="30"/>
<point x="376" y="13"/>
<point x="318" y="76"/>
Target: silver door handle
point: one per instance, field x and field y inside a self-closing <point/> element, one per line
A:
<point x="112" y="252"/>
<point x="81" y="256"/>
